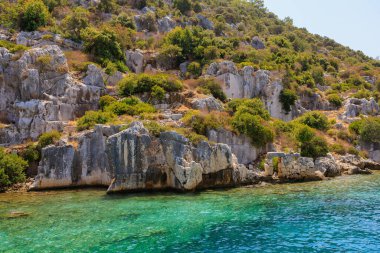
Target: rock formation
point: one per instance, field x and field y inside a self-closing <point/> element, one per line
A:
<point x="249" y="83"/>
<point x="133" y="160"/>
<point x="355" y="107"/>
<point x="38" y="93"/>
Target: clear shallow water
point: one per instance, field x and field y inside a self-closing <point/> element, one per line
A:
<point x="340" y="215"/>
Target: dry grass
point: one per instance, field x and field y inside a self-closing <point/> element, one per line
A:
<point x="75" y="58"/>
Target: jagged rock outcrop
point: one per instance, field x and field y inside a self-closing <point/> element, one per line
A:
<point x="291" y="167"/>
<point x="207" y="104"/>
<point x="373" y="150"/>
<point x="38" y="93"/>
<point x="94" y="76"/>
<point x="355" y="107"/>
<point x="133" y="159"/>
<point x="80" y="161"/>
<point x="39" y="39"/>
<point x="257" y="43"/>
<point x="328" y="166"/>
<point x="249" y="83"/>
<point x="240" y="145"/>
<point x="205" y="23"/>
<point x="134" y="60"/>
<point x="314" y="101"/>
<point x="351" y="164"/>
<point x="166" y="24"/>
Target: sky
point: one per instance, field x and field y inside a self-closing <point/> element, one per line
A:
<point x="353" y="23"/>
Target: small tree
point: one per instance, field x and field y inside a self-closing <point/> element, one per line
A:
<point x="183" y="6"/>
<point x="287" y="99"/>
<point x="12" y="169"/>
<point x="36" y="14"/>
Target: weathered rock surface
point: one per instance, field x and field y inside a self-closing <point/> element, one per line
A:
<point x="39" y="39"/>
<point x="134" y="60"/>
<point x="351" y="164"/>
<point x="249" y="83"/>
<point x="166" y="24"/>
<point x="205" y="23"/>
<point x="207" y="104"/>
<point x="257" y="43"/>
<point x="38" y="93"/>
<point x="82" y="161"/>
<point x="135" y="160"/>
<point x="294" y="167"/>
<point x="355" y="107"/>
<point x="241" y="145"/>
<point x="94" y="76"/>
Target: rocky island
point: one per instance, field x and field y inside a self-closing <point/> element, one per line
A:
<point x="164" y="95"/>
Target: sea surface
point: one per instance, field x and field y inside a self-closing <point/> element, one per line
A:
<point x="339" y="215"/>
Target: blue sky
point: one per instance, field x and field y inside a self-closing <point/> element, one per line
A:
<point x="353" y="23"/>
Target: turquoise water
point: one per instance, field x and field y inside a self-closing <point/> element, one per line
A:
<point x="340" y="215"/>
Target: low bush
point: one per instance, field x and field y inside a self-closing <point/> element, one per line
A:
<point x="194" y="69"/>
<point x="252" y="106"/>
<point x="12" y="169"/>
<point x="35" y="15"/>
<point x="13" y="48"/>
<point x="335" y="100"/>
<point x="213" y="87"/>
<point x="106" y="100"/>
<point x="91" y="118"/>
<point x="337" y="148"/>
<point x="315" y="120"/>
<point x="202" y="122"/>
<point x="287" y="99"/>
<point x="130" y="106"/>
<point x="48" y="138"/>
<point x="134" y="84"/>
<point x="316" y="147"/>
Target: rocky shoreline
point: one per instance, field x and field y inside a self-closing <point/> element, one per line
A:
<point x="134" y="160"/>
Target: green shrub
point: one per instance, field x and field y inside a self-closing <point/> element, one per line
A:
<point x="201" y="122"/>
<point x="106" y="100"/>
<point x="129" y="106"/>
<point x="183" y="6"/>
<point x="353" y="151"/>
<point x="316" y="147"/>
<point x="134" y="84"/>
<point x="287" y="99"/>
<point x="304" y="133"/>
<point x="158" y="93"/>
<point x="194" y="69"/>
<point x="102" y="44"/>
<point x="48" y="138"/>
<point x="91" y="118"/>
<point x="335" y="100"/>
<point x="12" y="169"/>
<point x="370" y="130"/>
<point x="254" y="127"/>
<point x="315" y="120"/>
<point x="107" y="6"/>
<point x="155" y="128"/>
<point x="337" y="148"/>
<point x="73" y="24"/>
<point x="30" y="153"/>
<point x="213" y="87"/>
<point x="36" y="14"/>
<point x="356" y="126"/>
<point x="169" y="56"/>
<point x="13" y="48"/>
<point x="253" y="106"/>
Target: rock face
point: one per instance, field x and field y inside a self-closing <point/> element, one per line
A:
<point x="295" y="167"/>
<point x="207" y="104"/>
<point x="166" y="24"/>
<point x="134" y="60"/>
<point x="249" y="83"/>
<point x="355" y="107"/>
<point x="205" y="23"/>
<point x="39" y="39"/>
<point x="257" y="43"/>
<point x="79" y="162"/>
<point x="94" y="76"/>
<point x="351" y="164"/>
<point x="133" y="160"/>
<point x="241" y="146"/>
<point x="38" y="93"/>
